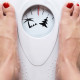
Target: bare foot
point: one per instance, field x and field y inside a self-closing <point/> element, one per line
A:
<point x="69" y="43"/>
<point x="9" y="65"/>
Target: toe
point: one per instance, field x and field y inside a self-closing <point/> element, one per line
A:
<point x="76" y="11"/>
<point x="79" y="14"/>
<point x="67" y="9"/>
<point x="8" y="10"/>
<point x="1" y="11"/>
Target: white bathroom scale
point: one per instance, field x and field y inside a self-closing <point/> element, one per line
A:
<point x="38" y="26"/>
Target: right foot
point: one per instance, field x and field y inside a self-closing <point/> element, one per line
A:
<point x="69" y="43"/>
<point x="9" y="65"/>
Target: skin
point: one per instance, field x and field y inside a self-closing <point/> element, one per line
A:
<point x="9" y="63"/>
<point x="69" y="41"/>
<point x="69" y="44"/>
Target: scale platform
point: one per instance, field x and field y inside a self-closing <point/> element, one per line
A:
<point x="38" y="25"/>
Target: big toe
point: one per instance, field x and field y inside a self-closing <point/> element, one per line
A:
<point x="8" y="10"/>
<point x="67" y="9"/>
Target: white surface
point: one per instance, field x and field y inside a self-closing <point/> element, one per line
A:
<point x="38" y="55"/>
<point x="38" y="50"/>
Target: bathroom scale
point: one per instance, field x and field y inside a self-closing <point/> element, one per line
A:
<point x="38" y="27"/>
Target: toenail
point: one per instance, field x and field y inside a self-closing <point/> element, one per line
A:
<point x="69" y="5"/>
<point x="77" y="4"/>
<point x="6" y="5"/>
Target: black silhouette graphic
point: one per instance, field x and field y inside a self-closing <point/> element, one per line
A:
<point x="28" y="20"/>
<point x="44" y="23"/>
